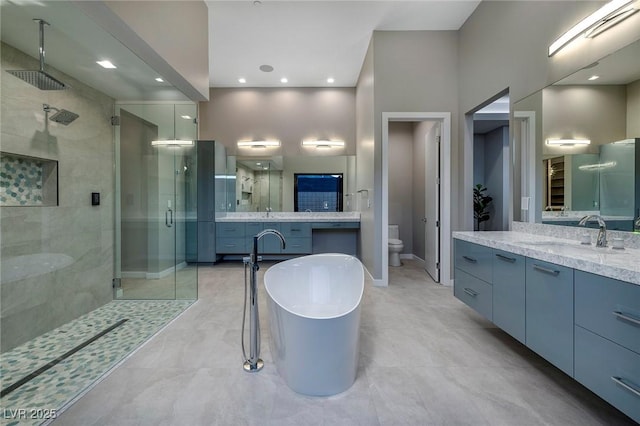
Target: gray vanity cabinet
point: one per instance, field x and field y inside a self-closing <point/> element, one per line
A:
<point x="509" y="293"/>
<point x="607" y="340"/>
<point x="473" y="274"/>
<point x="549" y="312"/>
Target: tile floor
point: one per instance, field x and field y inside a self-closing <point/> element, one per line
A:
<point x="426" y="359"/>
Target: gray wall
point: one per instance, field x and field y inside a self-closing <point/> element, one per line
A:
<point x="500" y="48"/>
<point x="289" y="115"/>
<point x="36" y="304"/>
<point x="370" y="235"/>
<point x="633" y="109"/>
<point x="414" y="71"/>
<point x="495" y="177"/>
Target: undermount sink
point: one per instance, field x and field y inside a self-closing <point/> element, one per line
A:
<point x="582" y="248"/>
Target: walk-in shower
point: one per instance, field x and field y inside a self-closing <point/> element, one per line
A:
<point x="40" y="78"/>
<point x="61" y="116"/>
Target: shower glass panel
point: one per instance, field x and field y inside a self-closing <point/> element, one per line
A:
<point x="156" y="245"/>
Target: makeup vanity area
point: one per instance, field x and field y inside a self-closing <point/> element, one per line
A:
<point x="574" y="304"/>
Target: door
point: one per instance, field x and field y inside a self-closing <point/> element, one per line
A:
<point x="155" y="203"/>
<point x="432" y="202"/>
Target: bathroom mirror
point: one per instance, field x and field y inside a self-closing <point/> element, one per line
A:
<point x="260" y="183"/>
<point x="600" y="104"/>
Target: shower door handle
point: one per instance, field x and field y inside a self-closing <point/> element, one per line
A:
<point x="168" y="218"/>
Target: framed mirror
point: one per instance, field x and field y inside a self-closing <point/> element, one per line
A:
<point x="578" y="146"/>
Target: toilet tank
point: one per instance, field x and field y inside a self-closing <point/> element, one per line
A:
<point x="394" y="232"/>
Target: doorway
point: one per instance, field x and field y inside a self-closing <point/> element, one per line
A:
<point x="431" y="209"/>
<point x="491" y="165"/>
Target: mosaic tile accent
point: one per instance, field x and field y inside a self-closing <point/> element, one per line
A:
<point x="20" y="181"/>
<point x="53" y="389"/>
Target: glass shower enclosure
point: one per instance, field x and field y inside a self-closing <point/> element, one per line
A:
<point x="156" y="201"/>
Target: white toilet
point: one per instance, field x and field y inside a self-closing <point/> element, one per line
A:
<point x="395" y="246"/>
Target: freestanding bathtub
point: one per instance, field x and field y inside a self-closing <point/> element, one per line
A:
<point x="314" y="318"/>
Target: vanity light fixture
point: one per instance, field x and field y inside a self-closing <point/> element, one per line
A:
<point x="324" y="144"/>
<point x="173" y="142"/>
<point x="593" y="77"/>
<point x="600" y="20"/>
<point x="598" y="166"/>
<point x="568" y="142"/>
<point x="258" y="144"/>
<point x="106" y="64"/>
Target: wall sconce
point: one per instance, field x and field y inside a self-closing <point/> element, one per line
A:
<point x="602" y="19"/>
<point x="172" y="142"/>
<point x="324" y="144"/>
<point x="568" y="142"/>
<point x="258" y="144"/>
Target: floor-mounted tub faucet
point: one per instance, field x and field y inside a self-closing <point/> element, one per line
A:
<point x="601" y="241"/>
<point x="253" y="363"/>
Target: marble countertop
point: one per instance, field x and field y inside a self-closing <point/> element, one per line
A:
<point x="622" y="265"/>
<point x="548" y="218"/>
<point x="290" y="217"/>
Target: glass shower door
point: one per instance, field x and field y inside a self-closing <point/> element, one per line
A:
<point x="155" y="207"/>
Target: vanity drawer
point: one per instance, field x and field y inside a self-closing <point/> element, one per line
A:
<point x="609" y="370"/>
<point x="609" y="307"/>
<point x="296" y="230"/>
<point x="230" y="229"/>
<point x="509" y="293"/>
<point x="231" y="246"/>
<point x="549" y="312"/>
<point x="336" y="225"/>
<point x="474" y="259"/>
<point x="297" y="246"/>
<point x="474" y="292"/>
<point x="252" y="228"/>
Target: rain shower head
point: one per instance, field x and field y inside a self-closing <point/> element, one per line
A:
<point x="61" y="116"/>
<point x="40" y="78"/>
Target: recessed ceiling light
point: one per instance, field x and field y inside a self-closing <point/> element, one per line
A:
<point x="266" y="68"/>
<point x="242" y="80"/>
<point x="594" y="77"/>
<point x="105" y="64"/>
<point x="186" y="117"/>
<point x="284" y="80"/>
<point x="330" y="80"/>
<point x="159" y="80"/>
<point x="258" y="164"/>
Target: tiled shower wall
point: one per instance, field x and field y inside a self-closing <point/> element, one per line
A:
<point x="38" y="291"/>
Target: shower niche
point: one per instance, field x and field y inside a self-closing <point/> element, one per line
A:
<point x="28" y="181"/>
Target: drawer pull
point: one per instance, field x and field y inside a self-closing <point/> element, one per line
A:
<point x="295" y="230"/>
<point x="546" y="270"/>
<point x="626" y="317"/>
<point x="627" y="386"/>
<point x="469" y="259"/>
<point x="506" y="258"/>
<point x="471" y="292"/>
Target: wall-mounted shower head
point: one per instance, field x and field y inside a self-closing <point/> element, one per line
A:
<point x="40" y="78"/>
<point x="61" y="116"/>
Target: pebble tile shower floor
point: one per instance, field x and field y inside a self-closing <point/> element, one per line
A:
<point x="46" y="394"/>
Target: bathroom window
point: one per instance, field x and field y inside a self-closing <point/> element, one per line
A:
<point x="317" y="192"/>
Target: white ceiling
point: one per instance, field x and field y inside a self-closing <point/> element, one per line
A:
<point x="309" y="41"/>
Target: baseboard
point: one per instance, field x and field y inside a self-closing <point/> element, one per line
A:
<point x="153" y="275"/>
<point x="375" y="282"/>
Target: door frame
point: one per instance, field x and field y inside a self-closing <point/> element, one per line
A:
<point x="445" y="189"/>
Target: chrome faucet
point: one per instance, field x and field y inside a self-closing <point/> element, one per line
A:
<point x="601" y="241"/>
<point x="253" y="363"/>
<point x="268" y="210"/>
